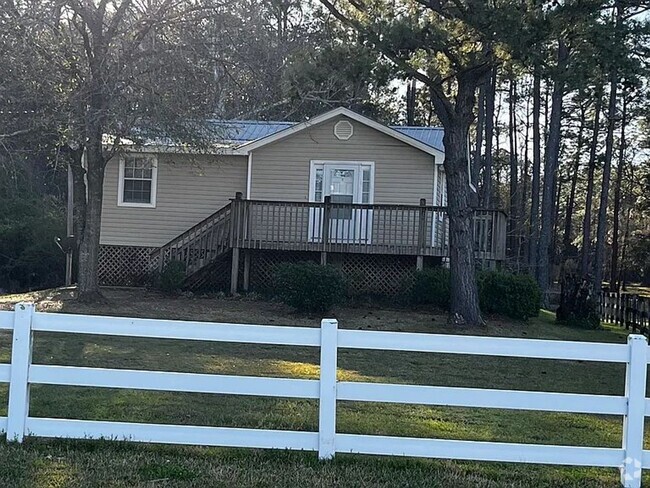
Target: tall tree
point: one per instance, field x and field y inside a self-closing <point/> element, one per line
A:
<point x="513" y="221"/>
<point x="448" y="46"/>
<point x="480" y="130"/>
<point x="533" y="240"/>
<point x="124" y="69"/>
<point x="550" y="170"/>
<point x="591" y="170"/>
<point x="573" y="176"/>
<point x="618" y="190"/>
<point x="486" y="190"/>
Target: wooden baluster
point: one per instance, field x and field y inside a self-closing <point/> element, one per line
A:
<point x="325" y="230"/>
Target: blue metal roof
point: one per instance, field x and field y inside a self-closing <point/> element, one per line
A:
<point x="248" y="130"/>
<point x="431" y="136"/>
<point x="241" y="131"/>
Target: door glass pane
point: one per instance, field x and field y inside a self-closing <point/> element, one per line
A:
<point x="342" y="182"/>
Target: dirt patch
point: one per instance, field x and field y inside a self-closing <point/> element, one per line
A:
<point x="140" y="302"/>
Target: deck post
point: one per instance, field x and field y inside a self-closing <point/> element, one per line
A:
<point x="247" y="269"/>
<point x="234" y="271"/>
<point x="235" y="229"/>
<point x="325" y="230"/>
<point x="422" y="238"/>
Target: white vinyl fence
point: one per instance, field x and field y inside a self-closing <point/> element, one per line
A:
<point x="634" y="406"/>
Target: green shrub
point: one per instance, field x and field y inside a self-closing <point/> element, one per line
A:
<point x="431" y="287"/>
<point x="515" y="296"/>
<point x="309" y="287"/>
<point x="172" y="277"/>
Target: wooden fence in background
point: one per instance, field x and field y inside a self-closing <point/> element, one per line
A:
<point x="627" y="310"/>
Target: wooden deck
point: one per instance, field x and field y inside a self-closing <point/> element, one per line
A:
<point x="326" y="227"/>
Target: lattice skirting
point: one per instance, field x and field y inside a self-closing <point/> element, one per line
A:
<point x="264" y="264"/>
<point x="124" y="265"/>
<point x="370" y="274"/>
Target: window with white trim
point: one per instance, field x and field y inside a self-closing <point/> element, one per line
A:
<point x="318" y="185"/>
<point x="366" y="184"/>
<point x="137" y="184"/>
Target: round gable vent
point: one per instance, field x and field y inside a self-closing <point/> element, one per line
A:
<point x="343" y="130"/>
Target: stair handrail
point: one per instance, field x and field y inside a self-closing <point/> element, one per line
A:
<point x="207" y="222"/>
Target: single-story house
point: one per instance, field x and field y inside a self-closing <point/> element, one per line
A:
<point x="339" y="188"/>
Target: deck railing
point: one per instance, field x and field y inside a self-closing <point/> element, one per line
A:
<point x="359" y="228"/>
<point x="415" y="230"/>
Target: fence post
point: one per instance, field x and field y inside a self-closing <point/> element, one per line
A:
<point x="21" y="358"/>
<point x="327" y="399"/>
<point x="635" y="392"/>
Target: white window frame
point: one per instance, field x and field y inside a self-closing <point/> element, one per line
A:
<point x="320" y="164"/>
<point x="154" y="183"/>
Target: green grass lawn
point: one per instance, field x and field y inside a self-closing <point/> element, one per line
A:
<point x="43" y="463"/>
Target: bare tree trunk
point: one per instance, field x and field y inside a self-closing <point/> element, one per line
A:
<point x="78" y="202"/>
<point x="88" y="278"/>
<point x="601" y="228"/>
<point x="480" y="128"/>
<point x="533" y="248"/>
<point x="613" y="275"/>
<point x="586" y="223"/>
<point x="558" y="182"/>
<point x="457" y="119"/>
<point x="626" y="238"/>
<point x="411" y="96"/>
<point x="489" y="137"/>
<point x="568" y="215"/>
<point x="464" y="292"/>
<point x="513" y="221"/>
<point x="550" y="172"/>
<point x="523" y="194"/>
<point x="88" y="275"/>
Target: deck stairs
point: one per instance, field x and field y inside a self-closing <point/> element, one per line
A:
<point x="204" y="249"/>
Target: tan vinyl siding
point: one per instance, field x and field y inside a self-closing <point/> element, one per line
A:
<point x="188" y="190"/>
<point x="403" y="174"/>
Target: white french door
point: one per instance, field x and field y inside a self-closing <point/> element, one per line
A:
<point x="345" y="183"/>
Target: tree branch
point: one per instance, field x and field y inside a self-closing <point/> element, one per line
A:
<point x="434" y="85"/>
<point x="15" y="133"/>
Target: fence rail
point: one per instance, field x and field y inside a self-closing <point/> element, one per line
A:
<point x="627" y="310"/>
<point x="24" y="322"/>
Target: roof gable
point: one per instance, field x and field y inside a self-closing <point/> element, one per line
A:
<point x="426" y="139"/>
